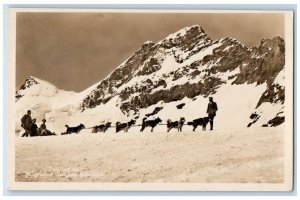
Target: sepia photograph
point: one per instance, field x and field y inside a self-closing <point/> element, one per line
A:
<point x="150" y="100"/>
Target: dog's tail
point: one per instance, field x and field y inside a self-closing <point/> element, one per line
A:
<point x="144" y="119"/>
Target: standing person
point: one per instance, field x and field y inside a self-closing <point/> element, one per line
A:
<point x="26" y="123"/>
<point x="211" y="111"/>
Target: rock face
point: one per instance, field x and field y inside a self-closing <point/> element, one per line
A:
<point x="30" y="81"/>
<point x="184" y="69"/>
<point x="188" y="64"/>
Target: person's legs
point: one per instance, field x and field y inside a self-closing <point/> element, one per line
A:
<point x="26" y="134"/>
<point x="211" y="121"/>
<point x="44" y="132"/>
<point x="48" y="132"/>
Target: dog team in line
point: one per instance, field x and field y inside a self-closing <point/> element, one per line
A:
<point x="31" y="128"/>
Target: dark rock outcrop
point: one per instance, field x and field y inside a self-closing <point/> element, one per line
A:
<point x="137" y="87"/>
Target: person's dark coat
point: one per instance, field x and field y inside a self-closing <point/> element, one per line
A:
<point x="212" y="108"/>
<point x="34" y="130"/>
<point x="26" y="121"/>
<point x="211" y="111"/>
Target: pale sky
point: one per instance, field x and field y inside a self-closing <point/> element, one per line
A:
<point x="75" y="50"/>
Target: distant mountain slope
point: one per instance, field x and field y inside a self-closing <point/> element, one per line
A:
<point x="189" y="64"/>
<point x="183" y="69"/>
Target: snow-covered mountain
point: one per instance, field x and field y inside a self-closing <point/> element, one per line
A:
<point x="173" y="78"/>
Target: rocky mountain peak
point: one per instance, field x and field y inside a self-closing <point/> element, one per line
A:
<point x="187" y="38"/>
<point x="147" y="45"/>
<point x="186" y="32"/>
<point x="34" y="87"/>
<point x="185" y="68"/>
<point x="31" y="80"/>
<point x="275" y="41"/>
<point x="188" y="64"/>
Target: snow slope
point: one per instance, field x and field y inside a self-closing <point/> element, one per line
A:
<point x="62" y="107"/>
<point x="253" y="155"/>
<point x="184" y="68"/>
<point x="57" y="106"/>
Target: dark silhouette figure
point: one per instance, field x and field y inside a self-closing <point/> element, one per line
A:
<point x="176" y="124"/>
<point x="43" y="131"/>
<point x="211" y="111"/>
<point x="34" y="129"/>
<point x="75" y="129"/>
<point x="124" y="126"/>
<point x="26" y="123"/>
<point x="43" y="128"/>
<point x="150" y="123"/>
<point x="199" y="122"/>
<point x="101" y="128"/>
